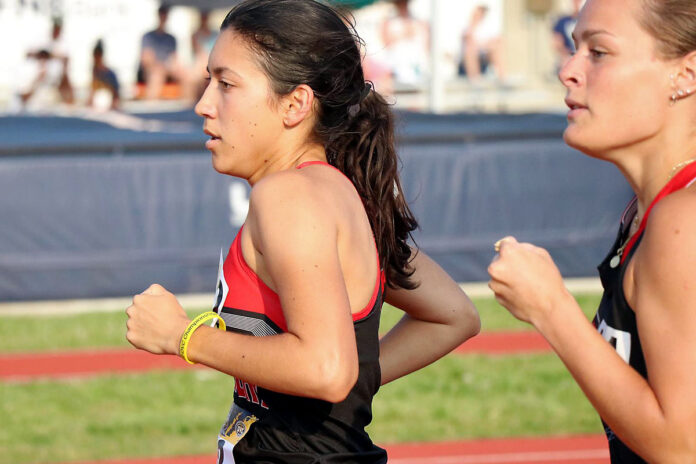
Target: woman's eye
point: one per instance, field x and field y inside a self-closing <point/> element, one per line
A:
<point x="597" y="53"/>
<point x="225" y="85"/>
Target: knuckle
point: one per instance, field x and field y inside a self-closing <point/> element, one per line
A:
<point x="156" y="289"/>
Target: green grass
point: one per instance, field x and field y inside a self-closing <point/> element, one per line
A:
<point x="159" y="413"/>
<point x="102" y="330"/>
<point x="178" y="413"/>
<point x="52" y="333"/>
<point x="483" y="396"/>
<point x="494" y="317"/>
<point x="174" y="413"/>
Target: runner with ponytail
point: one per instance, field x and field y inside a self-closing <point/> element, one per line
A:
<point x="325" y="242"/>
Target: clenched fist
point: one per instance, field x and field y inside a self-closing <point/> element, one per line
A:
<point x="525" y="280"/>
<point x="156" y="321"/>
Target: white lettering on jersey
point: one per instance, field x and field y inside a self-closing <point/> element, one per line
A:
<point x="238" y="195"/>
<point x="620" y="339"/>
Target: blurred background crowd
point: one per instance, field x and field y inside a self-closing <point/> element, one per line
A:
<point x="138" y="55"/>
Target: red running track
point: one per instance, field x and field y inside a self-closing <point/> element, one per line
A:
<point x="545" y="450"/>
<point x="62" y="364"/>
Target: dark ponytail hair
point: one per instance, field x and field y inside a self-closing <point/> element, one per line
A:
<point x="307" y="42"/>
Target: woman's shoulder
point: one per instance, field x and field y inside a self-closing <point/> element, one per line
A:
<point x="313" y="191"/>
<point x="311" y="184"/>
<point x="659" y="285"/>
<point x="675" y="214"/>
<point x="668" y="246"/>
<point x="299" y="207"/>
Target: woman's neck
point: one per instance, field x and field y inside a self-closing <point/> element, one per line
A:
<point x="289" y="159"/>
<point x="650" y="167"/>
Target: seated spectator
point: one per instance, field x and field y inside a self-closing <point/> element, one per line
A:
<point x="481" y="47"/>
<point x="159" y="63"/>
<point x="407" y="45"/>
<point x="562" y="34"/>
<point x="51" y="67"/>
<point x="103" y="78"/>
<point x="202" y="41"/>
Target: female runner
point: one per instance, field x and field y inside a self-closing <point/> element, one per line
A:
<point x="287" y="108"/>
<point x="630" y="92"/>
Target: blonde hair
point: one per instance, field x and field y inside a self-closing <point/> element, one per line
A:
<point x="673" y="25"/>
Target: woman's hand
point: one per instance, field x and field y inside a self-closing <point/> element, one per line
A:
<point x="156" y="321"/>
<point x="525" y="280"/>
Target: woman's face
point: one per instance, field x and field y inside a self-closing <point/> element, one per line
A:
<point x="618" y="88"/>
<point x="238" y="106"/>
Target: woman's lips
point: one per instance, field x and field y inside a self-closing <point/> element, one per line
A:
<point x="213" y="141"/>
<point x="575" y="108"/>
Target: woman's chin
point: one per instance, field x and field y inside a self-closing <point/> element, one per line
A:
<point x="582" y="144"/>
<point x="218" y="165"/>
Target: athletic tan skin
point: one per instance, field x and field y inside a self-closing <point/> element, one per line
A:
<point x="619" y="90"/>
<point x="261" y="137"/>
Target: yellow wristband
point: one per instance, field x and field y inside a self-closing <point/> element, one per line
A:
<point x="196" y="323"/>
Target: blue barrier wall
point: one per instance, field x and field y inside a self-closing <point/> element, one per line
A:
<point x="89" y="210"/>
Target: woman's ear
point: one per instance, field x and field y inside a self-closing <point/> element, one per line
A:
<point x="297" y="105"/>
<point x="686" y="78"/>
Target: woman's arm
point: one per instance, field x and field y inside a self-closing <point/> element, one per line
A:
<point x="317" y="357"/>
<point x="439" y="317"/>
<point x="656" y="418"/>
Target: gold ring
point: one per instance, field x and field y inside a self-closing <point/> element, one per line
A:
<point x="496" y="245"/>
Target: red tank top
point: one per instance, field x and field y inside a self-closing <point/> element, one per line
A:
<point x="256" y="306"/>
<point x="253" y="306"/>
<point x="295" y="423"/>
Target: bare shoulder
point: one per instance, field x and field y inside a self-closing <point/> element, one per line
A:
<point x="666" y="259"/>
<point x="299" y="205"/>
<point x="311" y="187"/>
<point x="672" y="223"/>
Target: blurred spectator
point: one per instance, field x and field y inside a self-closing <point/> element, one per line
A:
<point x="407" y="45"/>
<point x="481" y="47"/>
<point x="562" y="34"/>
<point x="159" y="63"/>
<point x="52" y="67"/>
<point x="379" y="74"/>
<point x="103" y="78"/>
<point x="202" y="41"/>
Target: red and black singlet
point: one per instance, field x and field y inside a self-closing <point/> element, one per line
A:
<point x="287" y="428"/>
<point x="615" y="319"/>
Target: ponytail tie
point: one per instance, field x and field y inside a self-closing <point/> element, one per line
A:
<point x="355" y="109"/>
<point x="366" y="91"/>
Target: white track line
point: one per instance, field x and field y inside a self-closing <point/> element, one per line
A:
<point x="206" y="300"/>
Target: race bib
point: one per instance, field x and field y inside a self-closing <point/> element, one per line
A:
<point x="235" y="427"/>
